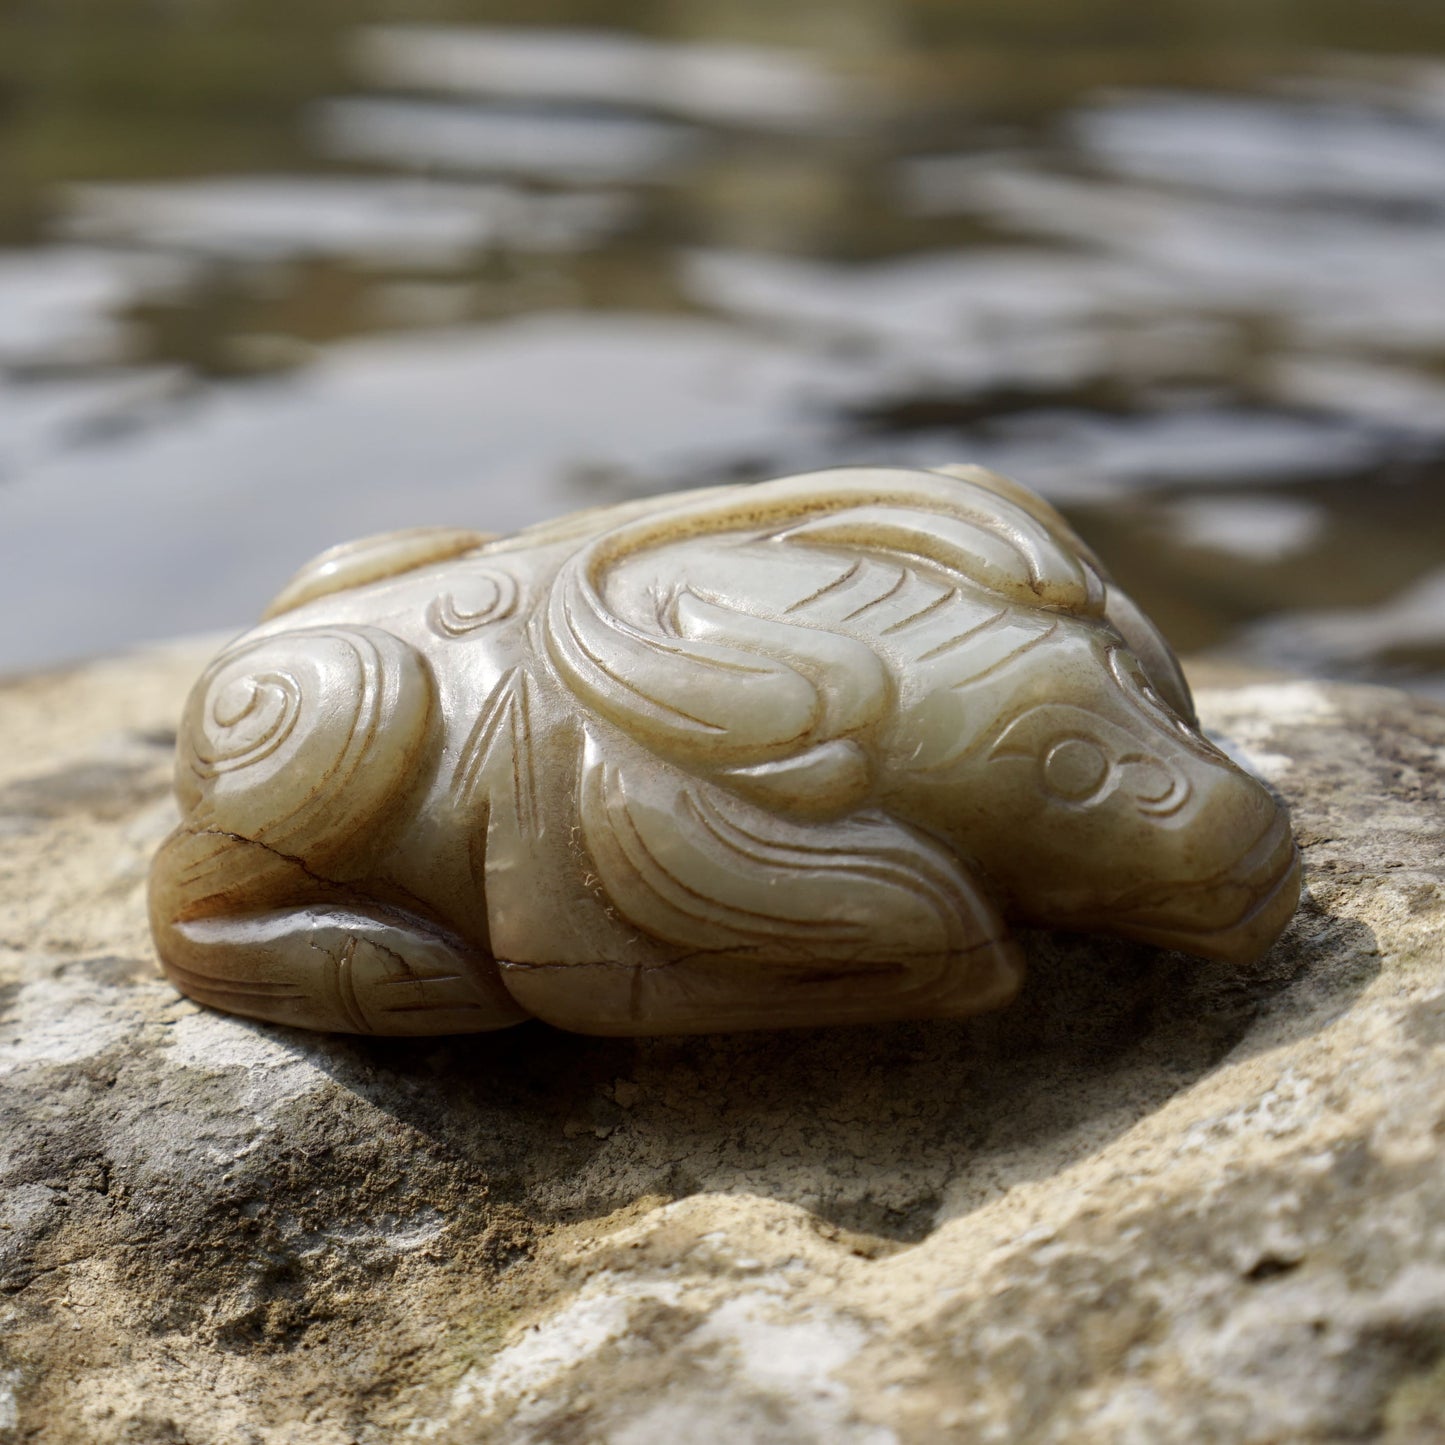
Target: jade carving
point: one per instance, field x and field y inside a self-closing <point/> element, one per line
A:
<point x="788" y="754"/>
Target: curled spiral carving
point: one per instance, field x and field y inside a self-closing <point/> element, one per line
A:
<point x="246" y="719"/>
<point x="482" y="597"/>
<point x="299" y="739"/>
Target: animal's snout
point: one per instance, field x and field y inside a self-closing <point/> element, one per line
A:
<point x="1129" y="818"/>
<point x="1235" y="913"/>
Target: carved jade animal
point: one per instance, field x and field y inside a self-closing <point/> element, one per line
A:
<point x="796" y="753"/>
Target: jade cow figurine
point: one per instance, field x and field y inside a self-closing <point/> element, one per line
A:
<point x="787" y="754"/>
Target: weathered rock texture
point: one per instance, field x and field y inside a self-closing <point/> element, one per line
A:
<point x="1154" y="1200"/>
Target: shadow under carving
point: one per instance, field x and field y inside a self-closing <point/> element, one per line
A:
<point x="872" y="1129"/>
<point x="483" y="1143"/>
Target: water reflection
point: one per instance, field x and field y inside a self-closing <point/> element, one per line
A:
<point x="1258" y="528"/>
<point x="373" y="221"/>
<point x="1180" y="267"/>
<point x="1271" y="149"/>
<point x="65" y="307"/>
<point x="716" y="82"/>
<point x="490" y="140"/>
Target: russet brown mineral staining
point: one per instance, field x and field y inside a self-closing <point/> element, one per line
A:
<point x="797" y="753"/>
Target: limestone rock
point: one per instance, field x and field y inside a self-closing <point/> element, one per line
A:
<point x="1153" y="1200"/>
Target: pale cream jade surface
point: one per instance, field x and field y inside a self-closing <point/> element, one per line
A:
<point x="796" y="753"/>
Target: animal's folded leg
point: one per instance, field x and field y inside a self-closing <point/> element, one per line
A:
<point x="324" y="967"/>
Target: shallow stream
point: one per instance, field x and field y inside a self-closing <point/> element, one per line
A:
<point x="275" y="274"/>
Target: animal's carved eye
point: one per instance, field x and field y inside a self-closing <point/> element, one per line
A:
<point x="1075" y="768"/>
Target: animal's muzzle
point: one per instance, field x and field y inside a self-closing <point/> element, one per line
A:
<point x="1235" y="915"/>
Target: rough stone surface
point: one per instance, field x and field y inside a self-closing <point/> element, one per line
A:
<point x="1154" y="1200"/>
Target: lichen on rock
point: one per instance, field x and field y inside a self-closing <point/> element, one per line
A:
<point x="1154" y="1199"/>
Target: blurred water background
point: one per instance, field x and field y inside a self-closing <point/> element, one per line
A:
<point x="274" y="273"/>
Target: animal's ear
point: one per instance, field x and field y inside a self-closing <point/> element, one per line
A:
<point x="1041" y="511"/>
<point x="766" y="921"/>
<point x="983" y="534"/>
<point x="1144" y="639"/>
<point x="985" y="546"/>
<point x="1155" y="655"/>
<point x="372" y="559"/>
